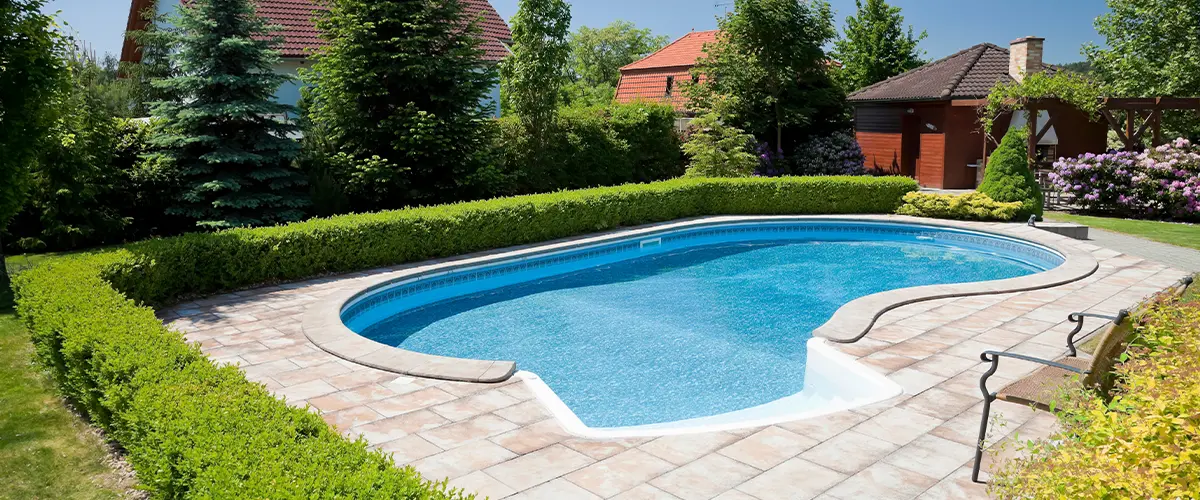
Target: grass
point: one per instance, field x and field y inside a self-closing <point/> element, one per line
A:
<point x="18" y="263"/>
<point x="46" y="451"/>
<point x="1184" y="235"/>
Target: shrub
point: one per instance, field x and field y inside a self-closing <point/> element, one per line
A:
<point x="93" y="187"/>
<point x="834" y="154"/>
<point x="719" y="150"/>
<point x="586" y="147"/>
<point x="1158" y="183"/>
<point x="192" y="429"/>
<point x="971" y="206"/>
<point x="1008" y="178"/>
<point x="1139" y="441"/>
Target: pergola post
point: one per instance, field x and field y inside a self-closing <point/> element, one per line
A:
<point x="1031" y="134"/>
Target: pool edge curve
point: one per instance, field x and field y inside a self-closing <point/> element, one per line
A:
<point x="323" y="326"/>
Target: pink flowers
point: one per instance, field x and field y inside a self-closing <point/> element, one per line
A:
<point x="1161" y="182"/>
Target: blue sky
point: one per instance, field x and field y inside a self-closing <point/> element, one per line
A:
<point x="952" y="24"/>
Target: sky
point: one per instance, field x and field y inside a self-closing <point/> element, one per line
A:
<point x="952" y="25"/>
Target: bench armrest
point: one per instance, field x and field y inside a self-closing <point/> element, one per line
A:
<point x="1077" y="318"/>
<point x="994" y="358"/>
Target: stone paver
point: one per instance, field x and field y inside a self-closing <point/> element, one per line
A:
<point x="1179" y="257"/>
<point x="498" y="440"/>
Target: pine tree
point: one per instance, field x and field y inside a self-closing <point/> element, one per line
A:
<point x="1007" y="176"/>
<point x="224" y="133"/>
<point x="397" y="93"/>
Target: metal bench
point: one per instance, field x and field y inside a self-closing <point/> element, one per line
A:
<point x="1041" y="387"/>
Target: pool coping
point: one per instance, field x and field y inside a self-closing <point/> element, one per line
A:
<point x="322" y="324"/>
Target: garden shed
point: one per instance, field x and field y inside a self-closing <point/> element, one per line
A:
<point x="924" y="123"/>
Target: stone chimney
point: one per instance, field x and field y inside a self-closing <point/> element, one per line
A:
<point x="1024" y="57"/>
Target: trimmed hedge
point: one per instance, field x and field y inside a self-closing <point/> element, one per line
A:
<point x="195" y="430"/>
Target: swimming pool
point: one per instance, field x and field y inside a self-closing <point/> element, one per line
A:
<point x="692" y="327"/>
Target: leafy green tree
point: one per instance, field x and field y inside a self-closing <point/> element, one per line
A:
<point x="876" y="45"/>
<point x="1081" y="67"/>
<point x="72" y="178"/>
<point x="1151" y="49"/>
<point x="597" y="55"/>
<point x="1007" y="177"/>
<point x="226" y="134"/>
<point x="396" y="96"/>
<point x="770" y="72"/>
<point x="537" y="69"/>
<point x="31" y="73"/>
<point x="718" y="150"/>
<point x="156" y="43"/>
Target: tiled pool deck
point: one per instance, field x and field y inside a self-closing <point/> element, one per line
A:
<point x="498" y="441"/>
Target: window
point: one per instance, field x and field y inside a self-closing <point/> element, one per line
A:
<point x="670" y="85"/>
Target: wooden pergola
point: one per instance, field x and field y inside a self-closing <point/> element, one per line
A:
<point x="1142" y="114"/>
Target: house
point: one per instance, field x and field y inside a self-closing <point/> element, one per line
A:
<point x="300" y="35"/>
<point x="656" y="77"/>
<point x="924" y="123"/>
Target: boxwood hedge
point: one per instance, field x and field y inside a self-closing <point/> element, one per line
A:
<point x="193" y="429"/>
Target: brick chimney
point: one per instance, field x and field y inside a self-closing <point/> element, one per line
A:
<point x="1024" y="57"/>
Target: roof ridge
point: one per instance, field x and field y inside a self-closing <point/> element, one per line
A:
<point x="920" y="68"/>
<point x="962" y="72"/>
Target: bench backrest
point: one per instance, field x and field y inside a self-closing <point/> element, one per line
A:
<point x="1115" y="337"/>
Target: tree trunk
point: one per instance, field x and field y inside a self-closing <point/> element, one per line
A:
<point x="778" y="127"/>
<point x="5" y="284"/>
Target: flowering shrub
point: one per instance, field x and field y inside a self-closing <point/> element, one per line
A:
<point x="1163" y="182"/>
<point x="971" y="206"/>
<point x="834" y="154"/>
<point x="771" y="162"/>
<point x="1141" y="443"/>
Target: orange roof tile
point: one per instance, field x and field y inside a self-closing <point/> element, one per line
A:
<point x="682" y="52"/>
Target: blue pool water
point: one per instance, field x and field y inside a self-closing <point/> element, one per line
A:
<point x="690" y="329"/>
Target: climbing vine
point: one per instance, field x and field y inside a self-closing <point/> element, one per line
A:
<point x="1069" y="87"/>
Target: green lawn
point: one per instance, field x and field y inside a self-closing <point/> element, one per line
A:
<point x="46" y="451"/>
<point x="17" y="263"/>
<point x="1184" y="235"/>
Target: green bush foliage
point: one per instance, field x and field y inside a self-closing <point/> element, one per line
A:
<point x="1008" y="178"/>
<point x="719" y="150"/>
<point x="1139" y="440"/>
<point x="401" y="81"/>
<point x="192" y="429"/>
<point x="585" y="147"/>
<point x="971" y="206"/>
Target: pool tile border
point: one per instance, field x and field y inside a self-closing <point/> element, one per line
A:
<point x="323" y="326"/>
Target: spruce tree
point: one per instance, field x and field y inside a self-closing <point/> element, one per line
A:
<point x="225" y="133"/>
<point x="396" y="93"/>
<point x="1007" y="177"/>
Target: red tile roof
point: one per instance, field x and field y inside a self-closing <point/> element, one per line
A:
<point x="300" y="35"/>
<point x="651" y="85"/>
<point x="682" y="52"/>
<point x="967" y="74"/>
<point x="647" y="79"/>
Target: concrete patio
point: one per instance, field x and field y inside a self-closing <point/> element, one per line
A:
<point x="498" y="441"/>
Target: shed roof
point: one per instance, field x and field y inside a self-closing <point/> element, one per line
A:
<point x="968" y="74"/>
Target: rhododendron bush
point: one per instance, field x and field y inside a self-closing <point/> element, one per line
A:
<point x="1162" y="182"/>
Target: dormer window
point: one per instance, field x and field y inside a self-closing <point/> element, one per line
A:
<point x="670" y="85"/>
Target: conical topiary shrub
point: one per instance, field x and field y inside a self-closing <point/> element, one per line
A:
<point x="1008" y="177"/>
